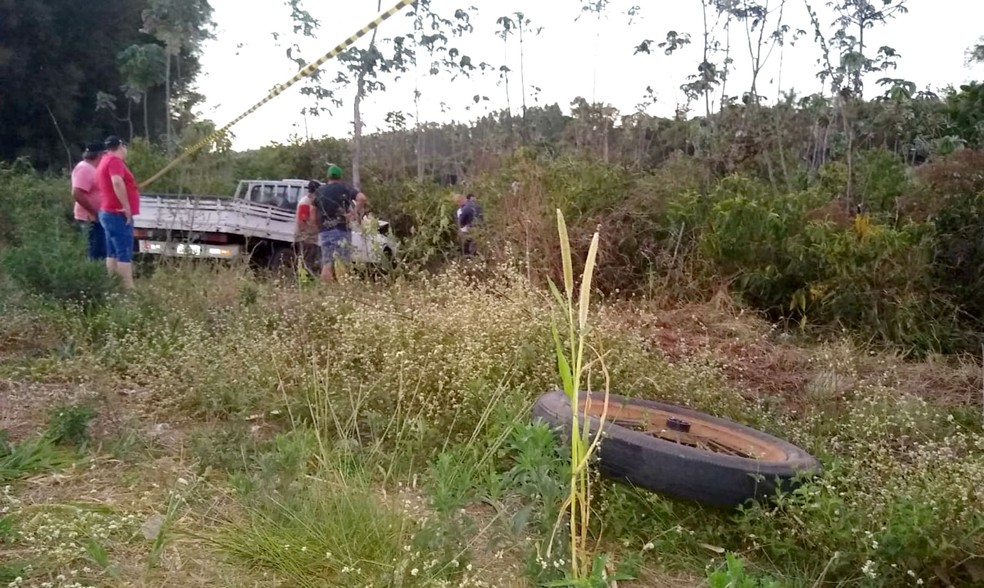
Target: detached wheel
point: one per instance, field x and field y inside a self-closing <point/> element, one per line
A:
<point x="682" y="452"/>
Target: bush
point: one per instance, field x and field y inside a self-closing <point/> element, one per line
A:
<point x="956" y="186"/>
<point x="69" y="424"/>
<point x="881" y="182"/>
<point x="746" y="234"/>
<point x="878" y="280"/>
<point x="44" y="253"/>
<point x="59" y="270"/>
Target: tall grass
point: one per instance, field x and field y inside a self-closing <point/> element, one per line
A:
<point x="571" y="369"/>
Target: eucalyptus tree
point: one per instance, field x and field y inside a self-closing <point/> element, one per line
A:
<point x="182" y="26"/>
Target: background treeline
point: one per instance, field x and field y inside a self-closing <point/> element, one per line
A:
<point x="827" y="211"/>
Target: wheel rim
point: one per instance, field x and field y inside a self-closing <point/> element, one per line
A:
<point x="688" y="431"/>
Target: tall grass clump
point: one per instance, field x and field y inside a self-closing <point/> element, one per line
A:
<point x="572" y="367"/>
<point x="335" y="500"/>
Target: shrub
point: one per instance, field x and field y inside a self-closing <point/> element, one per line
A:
<point x="956" y="185"/>
<point x="878" y="279"/>
<point x="58" y="269"/>
<point x="746" y="233"/>
<point x="70" y="424"/>
<point x="881" y="181"/>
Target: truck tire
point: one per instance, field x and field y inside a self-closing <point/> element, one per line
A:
<point x="682" y="452"/>
<point x="388" y="263"/>
<point x="282" y="260"/>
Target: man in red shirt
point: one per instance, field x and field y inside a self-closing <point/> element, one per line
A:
<point x="307" y="228"/>
<point x="120" y="203"/>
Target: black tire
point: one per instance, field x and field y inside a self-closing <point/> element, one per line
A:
<point x="679" y="470"/>
<point x="282" y="261"/>
<point x="388" y="263"/>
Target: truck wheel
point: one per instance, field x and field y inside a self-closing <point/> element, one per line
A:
<point x="682" y="452"/>
<point x="282" y="261"/>
<point x="388" y="263"/>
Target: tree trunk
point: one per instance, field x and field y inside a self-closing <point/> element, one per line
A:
<point x="167" y="102"/>
<point x="727" y="59"/>
<point x="605" y="146"/>
<point x="420" y="152"/>
<point x="68" y="152"/>
<point x="505" y="77"/>
<point x="360" y="92"/>
<point x="707" y="41"/>
<point x="146" y="117"/>
<point x="129" y="118"/>
<point x="849" y="132"/>
<point x="357" y="137"/>
<point x="522" y="80"/>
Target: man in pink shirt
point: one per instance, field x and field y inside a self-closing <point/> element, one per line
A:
<point x="88" y="199"/>
<point x="120" y="203"/>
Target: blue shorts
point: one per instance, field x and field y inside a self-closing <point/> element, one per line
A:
<point x="95" y="239"/>
<point x="334" y="243"/>
<point x="119" y="236"/>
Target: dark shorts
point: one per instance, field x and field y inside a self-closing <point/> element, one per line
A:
<point x="119" y="236"/>
<point x="334" y="243"/>
<point x="95" y="239"/>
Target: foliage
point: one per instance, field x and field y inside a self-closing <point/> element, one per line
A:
<point x="964" y="110"/>
<point x="59" y="271"/>
<point x="27" y="458"/>
<point x="733" y="575"/>
<point x="573" y="369"/>
<point x="69" y="425"/>
<point x="69" y="68"/>
<point x="44" y="253"/>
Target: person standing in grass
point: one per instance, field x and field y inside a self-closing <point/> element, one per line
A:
<point x="87" y="201"/>
<point x="307" y="226"/>
<point x="479" y="213"/>
<point x="120" y="203"/>
<point x="337" y="204"/>
<point x="465" y="217"/>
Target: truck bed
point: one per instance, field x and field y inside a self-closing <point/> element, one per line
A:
<point x="214" y="214"/>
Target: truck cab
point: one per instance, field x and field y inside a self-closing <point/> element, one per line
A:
<point x="283" y="194"/>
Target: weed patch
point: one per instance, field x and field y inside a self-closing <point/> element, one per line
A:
<point x="28" y="457"/>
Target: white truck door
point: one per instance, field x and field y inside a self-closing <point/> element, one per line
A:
<point x="360" y="249"/>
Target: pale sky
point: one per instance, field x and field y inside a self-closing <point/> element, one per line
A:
<point x="568" y="59"/>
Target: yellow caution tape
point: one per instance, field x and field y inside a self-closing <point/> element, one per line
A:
<point x="303" y="73"/>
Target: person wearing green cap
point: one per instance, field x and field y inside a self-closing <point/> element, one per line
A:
<point x="338" y="204"/>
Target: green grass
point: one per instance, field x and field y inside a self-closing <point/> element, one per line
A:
<point x="29" y="457"/>
<point x="418" y="391"/>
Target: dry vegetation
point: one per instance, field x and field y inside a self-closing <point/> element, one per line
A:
<point x="223" y="414"/>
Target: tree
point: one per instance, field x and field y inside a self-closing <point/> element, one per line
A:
<point x="432" y="33"/>
<point x="182" y="26"/>
<point x="367" y="65"/>
<point x="59" y="78"/>
<point x="756" y="16"/>
<point x="523" y="25"/>
<point x="306" y="25"/>
<point x="854" y="18"/>
<point x="506" y="25"/>
<point x="142" y="68"/>
<point x="106" y="101"/>
<point x="976" y="53"/>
